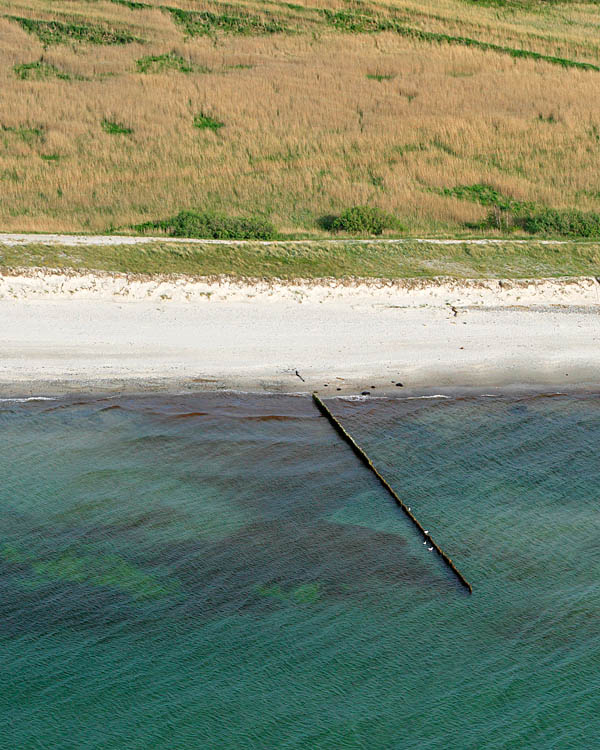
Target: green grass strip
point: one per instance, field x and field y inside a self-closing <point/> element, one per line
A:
<point x="39" y="71"/>
<point x="314" y="259"/>
<point x="166" y="62"/>
<point x="203" y="23"/>
<point x="56" y="32"/>
<point x="485" y="195"/>
<point x="430" y="36"/>
<point x="359" y="23"/>
<point x="132" y="5"/>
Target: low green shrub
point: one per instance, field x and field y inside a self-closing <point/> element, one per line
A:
<point x="206" y="122"/>
<point x="115" y="128"/>
<point x="568" y="223"/>
<point x="363" y="220"/>
<point x="210" y="225"/>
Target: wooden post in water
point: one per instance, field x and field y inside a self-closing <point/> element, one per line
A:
<point x="369" y="464"/>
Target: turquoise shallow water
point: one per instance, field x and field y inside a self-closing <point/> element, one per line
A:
<point x="219" y="571"/>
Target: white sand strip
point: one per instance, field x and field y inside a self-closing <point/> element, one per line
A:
<point x="74" y="240"/>
<point x="95" y="331"/>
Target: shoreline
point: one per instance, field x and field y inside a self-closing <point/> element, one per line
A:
<point x="65" y="332"/>
<point x="58" y="391"/>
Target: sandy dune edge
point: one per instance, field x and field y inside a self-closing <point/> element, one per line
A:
<point x="31" y="284"/>
<point x="63" y="331"/>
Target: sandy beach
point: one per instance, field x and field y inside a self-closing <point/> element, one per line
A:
<point x="63" y="331"/>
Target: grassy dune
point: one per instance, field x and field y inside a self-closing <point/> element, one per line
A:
<point x="119" y="113"/>
<point x="310" y="260"/>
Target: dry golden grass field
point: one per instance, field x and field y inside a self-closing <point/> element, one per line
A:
<point x="117" y="113"/>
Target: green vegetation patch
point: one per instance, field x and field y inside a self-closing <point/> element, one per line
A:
<point x="57" y="32"/>
<point x="115" y="128"/>
<point x="206" y="122"/>
<point x="567" y="223"/>
<point x="361" y="220"/>
<point x="203" y="23"/>
<point x="508" y="213"/>
<point x="132" y="4"/>
<point x="10" y="175"/>
<point x="317" y="259"/>
<point x="209" y="225"/>
<point x="353" y="22"/>
<point x="39" y="71"/>
<point x="381" y="76"/>
<point x="166" y="62"/>
<point x="27" y="134"/>
<point x="486" y="195"/>
<point x="172" y="61"/>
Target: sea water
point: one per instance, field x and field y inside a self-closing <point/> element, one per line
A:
<point x="219" y="571"/>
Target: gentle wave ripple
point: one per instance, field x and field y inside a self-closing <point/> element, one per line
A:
<point x="218" y="571"/>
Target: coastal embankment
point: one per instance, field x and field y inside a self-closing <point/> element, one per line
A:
<point x="72" y="331"/>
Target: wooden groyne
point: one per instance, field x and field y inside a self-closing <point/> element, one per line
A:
<point x="369" y="464"/>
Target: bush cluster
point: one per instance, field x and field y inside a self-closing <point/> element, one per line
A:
<point x="547" y="221"/>
<point x="571" y="223"/>
<point x="209" y="225"/>
<point x="362" y="220"/>
<point x="507" y="214"/>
